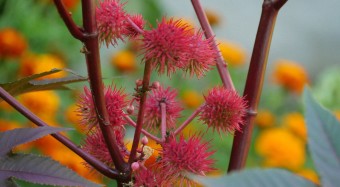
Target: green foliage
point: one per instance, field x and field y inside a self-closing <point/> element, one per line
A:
<point x="323" y="140"/>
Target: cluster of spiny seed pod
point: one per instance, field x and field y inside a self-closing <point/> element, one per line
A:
<point x="169" y="47"/>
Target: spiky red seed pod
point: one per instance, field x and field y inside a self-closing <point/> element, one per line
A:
<point x="96" y="146"/>
<point x="153" y="109"/>
<point x="111" y="21"/>
<point x="166" y="46"/>
<point x="181" y="156"/>
<point x="115" y="101"/>
<point x="224" y="110"/>
<point x="202" y="55"/>
<point x="147" y="177"/>
<point x="139" y="22"/>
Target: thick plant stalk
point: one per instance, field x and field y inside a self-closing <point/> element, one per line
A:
<point x="91" y="50"/>
<point x="208" y="32"/>
<point x="98" y="165"/>
<point x="253" y="87"/>
<point x="141" y="112"/>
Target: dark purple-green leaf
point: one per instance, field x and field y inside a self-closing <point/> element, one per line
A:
<point x="323" y="140"/>
<point x="256" y="178"/>
<point x="29" y="84"/>
<point x="8" y="183"/>
<point x="41" y="170"/>
<point x="15" y="137"/>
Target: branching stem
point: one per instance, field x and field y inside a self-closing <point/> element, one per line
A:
<point x="187" y="121"/>
<point x="71" y="26"/>
<point x="141" y="112"/>
<point x="146" y="133"/>
<point x="163" y="120"/>
<point x="208" y="32"/>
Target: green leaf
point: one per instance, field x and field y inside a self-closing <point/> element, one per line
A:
<point x="29" y="84"/>
<point x="41" y="170"/>
<point x="256" y="178"/>
<point x="323" y="140"/>
<point x="15" y="137"/>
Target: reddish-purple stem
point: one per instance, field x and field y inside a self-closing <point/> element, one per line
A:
<point x="146" y="133"/>
<point x="208" y="32"/>
<point x="66" y="16"/>
<point x="98" y="165"/>
<point x="140" y="118"/>
<point x="254" y="82"/>
<point x="95" y="77"/>
<point x="188" y="120"/>
<point x="163" y="120"/>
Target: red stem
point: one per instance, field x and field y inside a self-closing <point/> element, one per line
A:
<point x="163" y="120"/>
<point x="221" y="64"/>
<point x="253" y="87"/>
<point x="187" y="121"/>
<point x="146" y="133"/>
<point x="143" y="94"/>
<point x="98" y="165"/>
<point x="94" y="72"/>
<point x="71" y="26"/>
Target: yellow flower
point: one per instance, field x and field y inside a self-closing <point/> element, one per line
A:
<point x="290" y="75"/>
<point x="42" y="103"/>
<point x="192" y="99"/>
<point x="265" y="119"/>
<point x="280" y="148"/>
<point x="33" y="64"/>
<point x="12" y="43"/>
<point x="296" y="123"/>
<point x="124" y="61"/>
<point x="310" y="175"/>
<point x="213" y="17"/>
<point x="232" y="53"/>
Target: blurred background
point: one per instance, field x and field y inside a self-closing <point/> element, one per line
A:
<point x="305" y="51"/>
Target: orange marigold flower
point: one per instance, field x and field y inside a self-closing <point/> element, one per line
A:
<point x="337" y="114"/>
<point x="264" y="119"/>
<point x="213" y="17"/>
<point x="34" y="64"/>
<point x="6" y="125"/>
<point x="70" y="4"/>
<point x="42" y="103"/>
<point x="124" y="61"/>
<point x="296" y="123"/>
<point x="232" y="53"/>
<point x="310" y="175"/>
<point x="290" y="75"/>
<point x="280" y="148"/>
<point x="12" y="43"/>
<point x="192" y="99"/>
